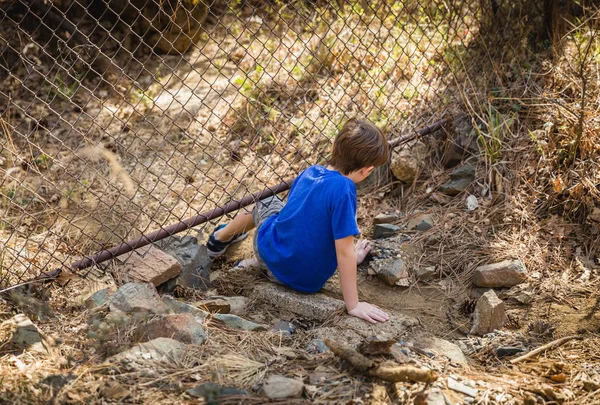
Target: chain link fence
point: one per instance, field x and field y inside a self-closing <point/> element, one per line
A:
<point x="121" y="118"/>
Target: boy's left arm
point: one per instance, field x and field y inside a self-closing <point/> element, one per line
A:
<point x="346" y="258"/>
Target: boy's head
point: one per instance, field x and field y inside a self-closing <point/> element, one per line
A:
<point x="358" y="145"/>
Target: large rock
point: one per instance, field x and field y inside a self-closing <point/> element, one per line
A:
<point x="315" y="307"/>
<point x="150" y="265"/>
<point x="26" y="334"/>
<point x="159" y="349"/>
<point x="137" y="297"/>
<point x="386" y="218"/>
<point x="392" y="271"/>
<point x="489" y="314"/>
<point x="405" y="164"/>
<point x="194" y="260"/>
<point x="504" y="274"/>
<point x="352" y="331"/>
<point x="279" y="387"/>
<point x="182" y="327"/>
<point x="460" y="179"/>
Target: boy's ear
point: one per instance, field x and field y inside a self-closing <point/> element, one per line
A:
<point x="367" y="170"/>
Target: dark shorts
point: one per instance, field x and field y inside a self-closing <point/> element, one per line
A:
<point x="263" y="210"/>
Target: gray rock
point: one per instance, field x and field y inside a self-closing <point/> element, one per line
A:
<point x="385" y="231"/>
<point x="460" y="179"/>
<point x="26" y="334"/>
<point x="462" y="388"/>
<point x="455" y="187"/>
<point x="149" y="265"/>
<point x="440" y="347"/>
<point x="98" y="299"/>
<point x="386" y="218"/>
<point x="159" y="349"/>
<point x="425" y="273"/>
<point x="463" y="172"/>
<point x="235" y="322"/>
<point x="432" y="396"/>
<point x="422" y="222"/>
<point x="315" y="307"/>
<point x="183" y="308"/>
<point x="317" y="346"/>
<point x="279" y="387"/>
<point x="211" y="392"/>
<point x="214" y="305"/>
<point x="489" y="315"/>
<point x="507" y="273"/>
<point x="55" y="382"/>
<point x="353" y="331"/>
<point x="392" y="271"/>
<point x="182" y="327"/>
<point x="137" y="297"/>
<point x="194" y="260"/>
<point x="284" y="327"/>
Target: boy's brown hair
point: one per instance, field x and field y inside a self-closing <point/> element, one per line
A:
<point x="359" y="144"/>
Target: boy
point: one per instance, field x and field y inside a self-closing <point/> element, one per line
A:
<point x="300" y="244"/>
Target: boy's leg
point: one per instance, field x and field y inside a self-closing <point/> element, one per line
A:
<point x="242" y="222"/>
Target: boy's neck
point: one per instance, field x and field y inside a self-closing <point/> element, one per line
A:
<point x="354" y="176"/>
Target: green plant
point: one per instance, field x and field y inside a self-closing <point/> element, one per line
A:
<point x="492" y="131"/>
<point x="63" y="90"/>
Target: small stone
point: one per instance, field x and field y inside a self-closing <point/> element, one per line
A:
<point x="462" y="388"/>
<point x="182" y="327"/>
<point x="425" y="273"/>
<point x="321" y="374"/>
<point x="460" y="179"/>
<point x="385" y="218"/>
<point x="194" y="261"/>
<point x="440" y="347"/>
<point x="111" y="389"/>
<point x="98" y="299"/>
<point x="235" y="322"/>
<point x="392" y="271"/>
<point x="26" y="334"/>
<point x="317" y="346"/>
<point x="455" y="187"/>
<point x="504" y="274"/>
<point x="422" y="222"/>
<point x="211" y="392"/>
<point x="590" y="385"/>
<point x="237" y="305"/>
<point x="472" y="203"/>
<point x="489" y="314"/>
<point x="284" y="327"/>
<point x="385" y="231"/>
<point x="137" y="297"/>
<point x="508" y="351"/>
<point x="150" y="265"/>
<point x="160" y="349"/>
<point x="279" y="387"/>
<point x="214" y="305"/>
<point x="55" y="382"/>
<point x="315" y="307"/>
<point x="183" y="308"/>
<point x="432" y="396"/>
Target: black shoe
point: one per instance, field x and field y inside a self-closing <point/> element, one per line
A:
<point x="216" y="248"/>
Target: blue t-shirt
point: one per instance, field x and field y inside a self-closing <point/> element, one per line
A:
<point x="298" y="244"/>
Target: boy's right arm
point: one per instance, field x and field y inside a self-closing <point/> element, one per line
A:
<point x="344" y="249"/>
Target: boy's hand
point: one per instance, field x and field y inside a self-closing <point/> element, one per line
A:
<point x="369" y="313"/>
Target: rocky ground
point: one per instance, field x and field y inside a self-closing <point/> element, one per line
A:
<point x="165" y="324"/>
